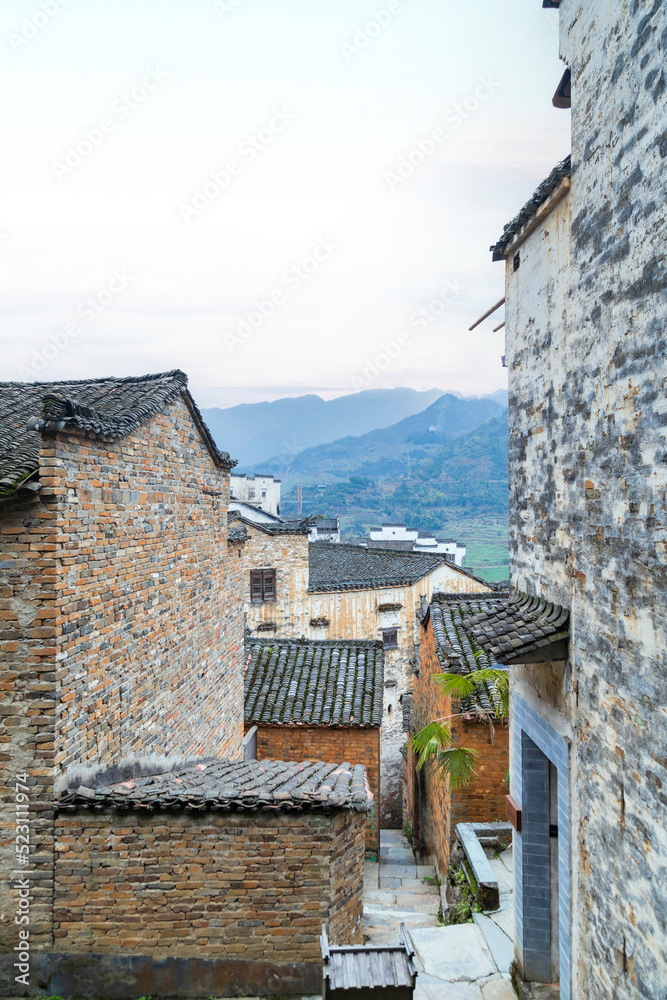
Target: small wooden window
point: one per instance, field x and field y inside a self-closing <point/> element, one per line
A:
<point x="390" y="638"/>
<point x="262" y="585"/>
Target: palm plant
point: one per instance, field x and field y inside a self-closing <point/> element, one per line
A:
<point x="433" y="744"/>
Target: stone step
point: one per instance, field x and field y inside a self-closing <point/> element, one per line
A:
<point x="382" y="916"/>
<point x="390" y="882"/>
<point x="418" y="903"/>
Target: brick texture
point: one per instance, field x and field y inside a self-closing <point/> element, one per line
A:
<point x="253" y="886"/>
<point x="149" y="633"/>
<point x="27" y="702"/>
<point x="431" y="808"/>
<point x="120" y="623"/>
<point x="332" y="745"/>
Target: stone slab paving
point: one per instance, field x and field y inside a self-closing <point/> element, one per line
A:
<point x="505" y="920"/>
<point x="428" y="988"/>
<point x="499" y="989"/>
<point x="500" y="945"/>
<point x="456" y="962"/>
<point x="454" y="954"/>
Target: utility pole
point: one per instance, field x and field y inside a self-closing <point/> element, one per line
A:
<point x="299" y="498"/>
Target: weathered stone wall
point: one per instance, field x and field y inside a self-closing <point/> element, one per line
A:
<point x="331" y="744"/>
<point x="149" y="633"/>
<point x="585" y="348"/>
<point x="248" y="891"/>
<point x="433" y="809"/>
<point x="27" y="709"/>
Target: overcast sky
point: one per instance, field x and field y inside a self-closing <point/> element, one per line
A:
<point x="276" y="196"/>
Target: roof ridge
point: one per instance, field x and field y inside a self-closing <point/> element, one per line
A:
<point x="107" y="408"/>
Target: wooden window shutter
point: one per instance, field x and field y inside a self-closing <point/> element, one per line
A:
<point x="256" y="590"/>
<point x="269" y="584"/>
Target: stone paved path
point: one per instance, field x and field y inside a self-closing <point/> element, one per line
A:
<point x="395" y="891"/>
<point x="458" y="962"/>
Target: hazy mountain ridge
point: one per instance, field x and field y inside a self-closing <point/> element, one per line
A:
<point x="446" y="418"/>
<point x="255" y="432"/>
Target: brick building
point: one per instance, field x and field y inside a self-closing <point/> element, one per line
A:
<point x="338" y="591"/>
<point x="430" y="806"/>
<point x="318" y="700"/>
<point x="213" y="879"/>
<point x="121" y="681"/>
<point x="586" y="308"/>
<point x="121" y="640"/>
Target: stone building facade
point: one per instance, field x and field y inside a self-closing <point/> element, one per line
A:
<point x="431" y="806"/>
<point x="586" y="307"/>
<point x="318" y="700"/>
<point x="121" y="639"/>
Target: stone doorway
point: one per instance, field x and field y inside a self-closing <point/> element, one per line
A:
<point x="541" y="785"/>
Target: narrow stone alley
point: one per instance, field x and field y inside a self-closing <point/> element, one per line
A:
<point x="471" y="960"/>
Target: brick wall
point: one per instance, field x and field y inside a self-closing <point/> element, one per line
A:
<point x="149" y="632"/>
<point x="332" y="745"/>
<point x="239" y="888"/>
<point x="27" y="702"/>
<point x="432" y="809"/>
<point x="120" y="625"/>
<point x="483" y="800"/>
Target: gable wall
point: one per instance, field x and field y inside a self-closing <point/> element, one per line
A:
<point x="149" y="633"/>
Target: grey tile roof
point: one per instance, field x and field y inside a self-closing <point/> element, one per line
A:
<point x="522" y="629"/>
<point x="351" y="567"/>
<point x="237" y="533"/>
<point x="109" y="408"/>
<point x="314" y="682"/>
<point x="562" y="169"/>
<point x="457" y="649"/>
<point x="269" y="523"/>
<point x="229" y="785"/>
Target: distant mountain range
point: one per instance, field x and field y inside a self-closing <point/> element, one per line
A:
<point x="388" y="448"/>
<point x="275" y="432"/>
